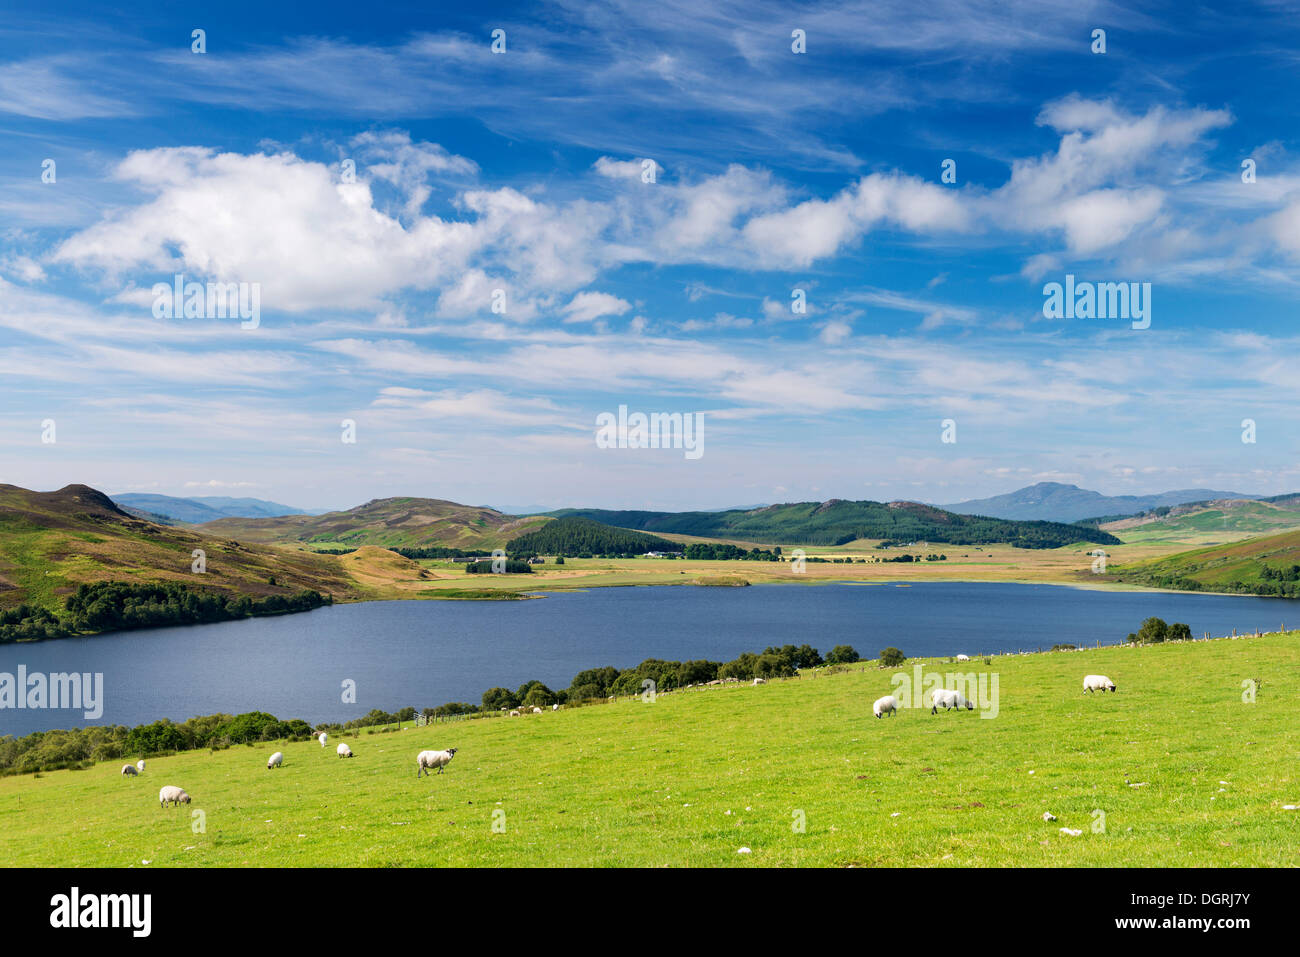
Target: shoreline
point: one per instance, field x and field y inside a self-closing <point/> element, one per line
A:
<point x="541" y="591"/>
<point x="861" y="665"/>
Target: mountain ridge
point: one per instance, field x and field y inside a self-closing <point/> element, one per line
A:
<point x="1060" y="502"/>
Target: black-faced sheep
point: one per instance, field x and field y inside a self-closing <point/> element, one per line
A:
<point x="433" y="759"/>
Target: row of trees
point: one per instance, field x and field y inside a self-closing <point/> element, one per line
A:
<point x="79" y="747"/>
<point x="432" y="551"/>
<point x="704" y="551"/>
<point x="120" y="606"/>
<point x="30" y="623"/>
<point x="596" y="683"/>
<point x="510" y="566"/>
<point x="1280" y="574"/>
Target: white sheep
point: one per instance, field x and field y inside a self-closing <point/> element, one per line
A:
<point x="963" y="657"/>
<point x="275" y="761"/>
<point x="759" y="681"/>
<point x="1097" y="683"/>
<point x="344" y="751"/>
<point x="887" y="703"/>
<point x="323" y="738"/>
<point x="555" y="707"/>
<point x="129" y="770"/>
<point x="139" y="765"/>
<point x="536" y="710"/>
<point x="174" y="794"/>
<point x="514" y="714"/>
<point x="433" y="759"/>
<point x="948" y="699"/>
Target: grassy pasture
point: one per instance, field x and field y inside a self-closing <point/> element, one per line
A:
<point x="694" y="776"/>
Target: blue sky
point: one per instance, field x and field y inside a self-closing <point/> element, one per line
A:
<point x="774" y="171"/>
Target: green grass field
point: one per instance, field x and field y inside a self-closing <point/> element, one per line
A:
<point x="692" y="777"/>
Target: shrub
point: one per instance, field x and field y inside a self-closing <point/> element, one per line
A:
<point x="842" y="655"/>
<point x="1153" y="630"/>
<point x="891" y="657"/>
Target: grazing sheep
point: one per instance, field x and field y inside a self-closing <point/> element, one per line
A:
<point x="555" y="707"/>
<point x="887" y="703"/>
<point x="433" y="759"/>
<point x="963" y="657"/>
<point x="139" y="765"/>
<point x="173" y="794"/>
<point x="323" y="738"/>
<point x="344" y="751"/>
<point x="129" y="770"/>
<point x="1097" y="683"/>
<point x="948" y="699"/>
<point x="275" y="761"/>
<point x="536" y="710"/>
<point x="759" y="681"/>
<point x="514" y="714"/>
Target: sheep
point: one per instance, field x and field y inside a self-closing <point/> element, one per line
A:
<point x="948" y="699"/>
<point x="514" y="714"/>
<point x="555" y="707"/>
<point x="759" y="681"/>
<point x="173" y="794"/>
<point x="433" y="759"/>
<point x="139" y="765"/>
<point x="275" y="761"/>
<point x="129" y="770"/>
<point x="536" y="710"/>
<point x="963" y="657"/>
<point x="887" y="703"/>
<point x="1097" y="683"/>
<point x="323" y="738"/>
<point x="344" y="751"/>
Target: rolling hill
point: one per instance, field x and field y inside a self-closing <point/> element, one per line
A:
<point x="1257" y="566"/>
<point x="837" y="521"/>
<point x="51" y="542"/>
<point x="1210" y="522"/>
<point x="200" y="509"/>
<point x="404" y="522"/>
<point x="1055" y="502"/>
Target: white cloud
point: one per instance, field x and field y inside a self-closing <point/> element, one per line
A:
<point x="586" y="306"/>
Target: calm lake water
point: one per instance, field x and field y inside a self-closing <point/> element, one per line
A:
<point x="425" y="653"/>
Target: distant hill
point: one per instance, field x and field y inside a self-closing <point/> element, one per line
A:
<point x="837" y="522"/>
<point x="1256" y="566"/>
<point x="404" y="522"/>
<point x="206" y="508"/>
<point x="1055" y="502"/>
<point x="51" y="542"/>
<point x="573" y="535"/>
<point x="1210" y="522"/>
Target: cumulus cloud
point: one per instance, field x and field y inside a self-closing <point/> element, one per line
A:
<point x="309" y="240"/>
<point x="816" y="229"/>
<point x="586" y="306"/>
<point x="1092" y="189"/>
